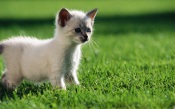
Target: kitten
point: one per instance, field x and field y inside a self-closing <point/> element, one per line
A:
<point x="55" y="59"/>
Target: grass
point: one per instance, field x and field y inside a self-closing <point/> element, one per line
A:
<point x="131" y="64"/>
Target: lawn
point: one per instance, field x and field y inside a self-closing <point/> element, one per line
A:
<point x="128" y="64"/>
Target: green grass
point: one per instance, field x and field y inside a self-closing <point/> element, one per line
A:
<point x="129" y="64"/>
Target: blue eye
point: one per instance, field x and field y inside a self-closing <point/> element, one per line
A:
<point x="88" y="30"/>
<point x="77" y="30"/>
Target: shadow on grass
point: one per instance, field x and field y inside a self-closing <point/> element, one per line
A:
<point x="139" y="24"/>
<point x="23" y="89"/>
<point x="112" y="24"/>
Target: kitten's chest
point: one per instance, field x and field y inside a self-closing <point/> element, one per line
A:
<point x="70" y="58"/>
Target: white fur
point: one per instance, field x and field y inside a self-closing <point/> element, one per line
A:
<point x="53" y="59"/>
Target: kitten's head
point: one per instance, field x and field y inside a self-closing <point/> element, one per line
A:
<point x="77" y="26"/>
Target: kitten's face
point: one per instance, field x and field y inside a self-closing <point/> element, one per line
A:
<point x="77" y="26"/>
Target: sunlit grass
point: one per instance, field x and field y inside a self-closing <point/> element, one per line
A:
<point x="129" y="64"/>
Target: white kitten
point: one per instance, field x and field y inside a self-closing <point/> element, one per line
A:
<point x="55" y="59"/>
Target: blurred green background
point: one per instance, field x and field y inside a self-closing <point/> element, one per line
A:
<point x="47" y="9"/>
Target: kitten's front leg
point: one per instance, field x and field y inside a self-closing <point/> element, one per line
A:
<point x="74" y="68"/>
<point x="71" y="73"/>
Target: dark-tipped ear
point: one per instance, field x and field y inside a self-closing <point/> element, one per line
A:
<point x="92" y="13"/>
<point x="64" y="16"/>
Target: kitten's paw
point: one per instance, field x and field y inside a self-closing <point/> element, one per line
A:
<point x="77" y="83"/>
<point x="63" y="88"/>
<point x="8" y="85"/>
<point x="72" y="79"/>
<point x="60" y="88"/>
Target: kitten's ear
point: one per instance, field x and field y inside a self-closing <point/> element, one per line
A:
<point x="92" y="13"/>
<point x="64" y="16"/>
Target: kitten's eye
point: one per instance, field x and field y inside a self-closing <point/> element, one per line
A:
<point x="77" y="30"/>
<point x="88" y="30"/>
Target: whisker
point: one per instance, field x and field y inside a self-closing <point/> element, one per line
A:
<point x="96" y="43"/>
<point x="89" y="43"/>
<point x="93" y="45"/>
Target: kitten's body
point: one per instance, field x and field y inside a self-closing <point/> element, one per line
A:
<point x="54" y="59"/>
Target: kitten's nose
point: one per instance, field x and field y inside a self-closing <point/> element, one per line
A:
<point x="85" y="38"/>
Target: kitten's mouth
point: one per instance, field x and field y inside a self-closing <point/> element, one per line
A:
<point x="81" y="40"/>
